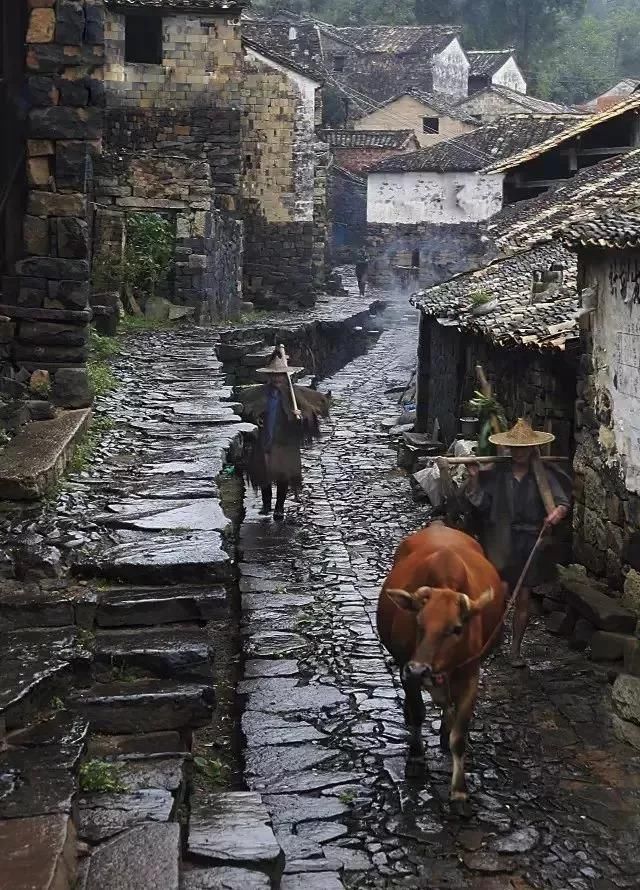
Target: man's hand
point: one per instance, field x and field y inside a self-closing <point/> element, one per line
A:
<point x="556" y="516"/>
<point x="473" y="471"/>
<point x="297" y="414"/>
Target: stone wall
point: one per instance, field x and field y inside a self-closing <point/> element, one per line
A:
<point x="47" y="299"/>
<point x="526" y="382"/>
<point x="173" y="146"/>
<point x="441" y="251"/>
<point x="284" y="184"/>
<point x="201" y="57"/>
<point x="607" y="514"/>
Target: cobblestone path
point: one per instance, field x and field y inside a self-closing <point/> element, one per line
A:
<point x="555" y="798"/>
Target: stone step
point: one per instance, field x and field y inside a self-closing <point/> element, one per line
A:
<point x="234" y="829"/>
<point x="162" y="559"/>
<point x="224" y="877"/>
<point x="590" y="600"/>
<point x="142" y="858"/>
<point x="257" y="359"/>
<point x="151" y="790"/>
<point x="608" y="646"/>
<point x="149" y="606"/>
<point x="174" y="651"/>
<point x="143" y="706"/>
<point x="36" y="666"/>
<point x="34" y="607"/>
<point x="121" y="746"/>
<point x="230" y="353"/>
<point x="38" y="853"/>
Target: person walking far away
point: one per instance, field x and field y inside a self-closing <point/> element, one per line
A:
<point x="513" y="514"/>
<point x="288" y="417"/>
<point x="362" y="269"/>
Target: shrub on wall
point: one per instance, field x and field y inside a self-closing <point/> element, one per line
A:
<point x="149" y="255"/>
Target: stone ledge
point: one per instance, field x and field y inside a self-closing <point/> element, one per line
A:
<point x="38" y="852"/>
<point x="38" y="456"/>
<point x="589" y="599"/>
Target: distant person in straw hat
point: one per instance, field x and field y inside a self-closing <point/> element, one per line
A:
<point x="362" y="271"/>
<point x="287" y="417"/>
<point x="513" y="515"/>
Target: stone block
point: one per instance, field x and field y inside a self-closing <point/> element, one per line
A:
<point x="62" y="122"/>
<point x="595" y="493"/>
<point x="39" y="172"/>
<point x="52" y="267"/>
<point x="56" y="204"/>
<point x="590" y="600"/>
<point x="95" y="21"/>
<point x="36" y="236"/>
<point x="71" y="294"/>
<point x="607" y="646"/>
<point x="632" y="551"/>
<point x="626" y="731"/>
<point x="38" y="852"/>
<point x="31" y="296"/>
<point x="153" y="850"/>
<point x="39" y="147"/>
<point x="71" y="388"/>
<point x="42" y="91"/>
<point x="626" y="698"/>
<point x="47" y="332"/>
<point x="73" y="164"/>
<point x="72" y="237"/>
<point x="632" y="656"/>
<point x="73" y="92"/>
<point x="52" y="58"/>
<point x="42" y="26"/>
<point x="631" y="594"/>
<point x="69" y="22"/>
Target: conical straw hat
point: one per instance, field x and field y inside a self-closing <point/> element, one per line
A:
<point x="278" y="364"/>
<point x="522" y="436"/>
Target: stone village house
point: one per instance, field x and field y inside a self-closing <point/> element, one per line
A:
<point x="125" y="106"/>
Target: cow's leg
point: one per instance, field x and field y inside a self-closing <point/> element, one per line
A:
<point x="414" y="713"/>
<point x="465" y="703"/>
<point x="446" y="722"/>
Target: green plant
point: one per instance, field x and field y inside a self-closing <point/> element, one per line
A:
<point x="480" y="297"/>
<point x="41" y="388"/>
<point x="101" y="347"/>
<point x="347" y="796"/>
<point x="213" y="772"/>
<point x="57" y="704"/>
<point x="132" y="323"/>
<point x="101" y="378"/>
<point x="149" y="253"/>
<point x="101" y="776"/>
<point x="87" y="445"/>
<point x="106" y="271"/>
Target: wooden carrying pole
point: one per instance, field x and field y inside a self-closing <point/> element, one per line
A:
<point x="292" y="392"/>
<point x="497" y="459"/>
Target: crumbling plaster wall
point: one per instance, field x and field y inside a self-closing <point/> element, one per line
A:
<point x="450" y="71"/>
<point x="488" y="106"/>
<point x="510" y="76"/>
<point x="607" y="461"/>
<point x="418" y="197"/>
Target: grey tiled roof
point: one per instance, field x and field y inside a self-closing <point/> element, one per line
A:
<point x="395" y="39"/>
<point x="604" y="188"/>
<point x="473" y="151"/>
<point x="366" y="138"/>
<point x="487" y="62"/>
<point x="221" y="6"/>
<point x="617" y="231"/>
<point x="498" y="301"/>
<point x="275" y="35"/>
<point x="308" y="70"/>
<point x="526" y="102"/>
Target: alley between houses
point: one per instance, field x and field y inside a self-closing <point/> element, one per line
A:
<point x="319" y="769"/>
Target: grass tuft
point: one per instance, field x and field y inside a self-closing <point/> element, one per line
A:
<point x="101" y="776"/>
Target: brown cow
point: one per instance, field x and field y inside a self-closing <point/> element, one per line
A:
<point x="440" y="605"/>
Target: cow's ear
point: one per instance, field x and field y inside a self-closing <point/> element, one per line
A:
<point x="469" y="608"/>
<point x="413" y="602"/>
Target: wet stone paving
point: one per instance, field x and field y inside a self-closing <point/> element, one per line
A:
<point x="117" y="621"/>
<point x="555" y="800"/>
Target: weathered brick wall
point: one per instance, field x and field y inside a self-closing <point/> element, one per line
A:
<point x="284" y="186"/>
<point x="443" y="251"/>
<point x="48" y="298"/>
<point x="347" y="201"/>
<point x="607" y="514"/>
<point x="201" y="57"/>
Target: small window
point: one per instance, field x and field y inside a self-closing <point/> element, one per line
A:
<point x="430" y="125"/>
<point x="338" y="63"/>
<point x="143" y="39"/>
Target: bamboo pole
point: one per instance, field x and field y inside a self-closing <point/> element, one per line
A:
<point x="497" y="459"/>
<point x="292" y="392"/>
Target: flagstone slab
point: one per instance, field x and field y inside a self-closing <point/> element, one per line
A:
<point x="203" y="514"/>
<point x="38" y="853"/>
<point x="101" y="816"/>
<point x="232" y="827"/>
<point x="145" y="858"/>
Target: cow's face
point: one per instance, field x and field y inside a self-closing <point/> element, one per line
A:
<point x="442" y="617"/>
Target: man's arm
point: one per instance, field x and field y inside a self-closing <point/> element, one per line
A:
<point x="562" y="501"/>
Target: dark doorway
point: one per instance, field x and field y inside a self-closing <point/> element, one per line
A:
<point x="14" y="106"/>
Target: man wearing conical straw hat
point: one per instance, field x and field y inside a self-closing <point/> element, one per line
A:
<point x="513" y="513"/>
<point x="287" y="417"/>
